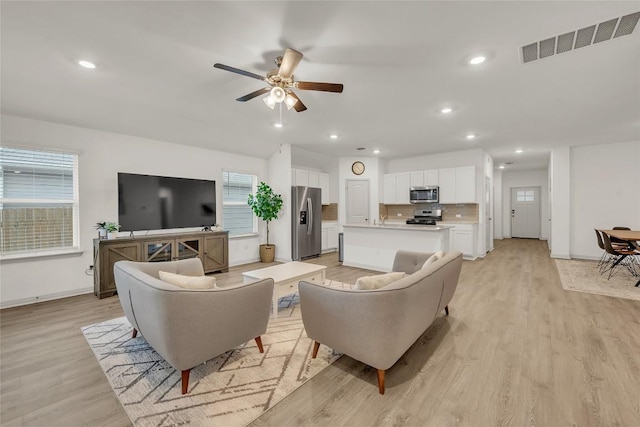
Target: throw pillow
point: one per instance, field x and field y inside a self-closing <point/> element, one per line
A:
<point x="378" y="281"/>
<point x="188" y="282"/>
<point x="433" y="258"/>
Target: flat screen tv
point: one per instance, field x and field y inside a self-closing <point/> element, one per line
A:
<point x="147" y="202"/>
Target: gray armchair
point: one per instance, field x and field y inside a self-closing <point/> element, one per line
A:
<point x="188" y="327"/>
<point x="377" y="326"/>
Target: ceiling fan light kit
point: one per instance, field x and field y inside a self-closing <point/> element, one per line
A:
<point x="280" y="80"/>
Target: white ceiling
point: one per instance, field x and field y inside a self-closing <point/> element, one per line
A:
<point x="400" y="62"/>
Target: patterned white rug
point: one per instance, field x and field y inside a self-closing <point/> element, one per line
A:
<point x="232" y="389"/>
<point x="583" y="276"/>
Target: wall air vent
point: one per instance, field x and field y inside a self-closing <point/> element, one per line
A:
<point x="583" y="37"/>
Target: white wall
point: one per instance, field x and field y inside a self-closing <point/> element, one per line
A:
<point x="280" y="182"/>
<point x="497" y="205"/>
<point x="101" y="156"/>
<point x="605" y="192"/>
<point x="526" y="178"/>
<point x="560" y="194"/>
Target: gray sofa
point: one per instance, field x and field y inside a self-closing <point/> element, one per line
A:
<point x="188" y="327"/>
<point x="377" y="326"/>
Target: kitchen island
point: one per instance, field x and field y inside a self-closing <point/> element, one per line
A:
<point x="374" y="246"/>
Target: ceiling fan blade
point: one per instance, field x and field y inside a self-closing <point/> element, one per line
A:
<point x="254" y="94"/>
<point x="325" y="87"/>
<point x="239" y="71"/>
<point x="298" y="106"/>
<point x="290" y="61"/>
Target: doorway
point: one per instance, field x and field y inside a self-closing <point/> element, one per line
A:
<point x="525" y="212"/>
<point x="357" y="198"/>
<point x="488" y="232"/>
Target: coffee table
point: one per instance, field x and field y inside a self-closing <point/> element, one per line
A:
<point x="286" y="277"/>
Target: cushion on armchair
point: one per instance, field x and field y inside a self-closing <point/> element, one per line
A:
<point x="377" y="281"/>
<point x="433" y="258"/>
<point x="188" y="282"/>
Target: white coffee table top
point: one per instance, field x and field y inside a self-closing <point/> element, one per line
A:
<point x="284" y="272"/>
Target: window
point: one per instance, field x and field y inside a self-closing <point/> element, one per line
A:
<point x="38" y="201"/>
<point x="525" y="196"/>
<point x="238" y="217"/>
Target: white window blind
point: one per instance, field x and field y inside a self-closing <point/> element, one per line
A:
<point x="238" y="217"/>
<point x="38" y="201"/>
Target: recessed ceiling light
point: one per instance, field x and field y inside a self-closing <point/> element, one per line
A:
<point x="471" y="136"/>
<point x="501" y="167"/>
<point x="278" y="125"/>
<point x="446" y="110"/>
<point x="519" y="150"/>
<point x="87" y="64"/>
<point x="376" y="151"/>
<point x="334" y="136"/>
<point x="477" y="60"/>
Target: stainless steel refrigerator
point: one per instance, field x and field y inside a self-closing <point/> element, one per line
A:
<point x="306" y="228"/>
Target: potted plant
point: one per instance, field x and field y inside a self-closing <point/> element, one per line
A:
<point x="112" y="229"/>
<point x="266" y="205"/>
<point x="102" y="229"/>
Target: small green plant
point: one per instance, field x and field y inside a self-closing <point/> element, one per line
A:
<point x="101" y="225"/>
<point x="112" y="227"/>
<point x="266" y="204"/>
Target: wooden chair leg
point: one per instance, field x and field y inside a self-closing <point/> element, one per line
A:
<point x="316" y="346"/>
<point x="259" y="342"/>
<point x="446" y="309"/>
<point x="185" y="380"/>
<point x="135" y="333"/>
<point x="381" y="381"/>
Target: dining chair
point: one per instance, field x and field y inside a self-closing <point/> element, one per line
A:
<point x="604" y="259"/>
<point x="619" y="256"/>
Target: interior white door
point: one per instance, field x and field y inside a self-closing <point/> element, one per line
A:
<point x="488" y="212"/>
<point x="357" y="201"/>
<point x="525" y="212"/>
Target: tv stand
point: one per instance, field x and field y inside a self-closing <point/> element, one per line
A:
<point x="212" y="247"/>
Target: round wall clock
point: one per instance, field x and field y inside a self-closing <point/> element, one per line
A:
<point x="357" y="168"/>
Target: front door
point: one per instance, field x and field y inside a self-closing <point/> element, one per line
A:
<point x="525" y="212"/>
<point x="357" y="201"/>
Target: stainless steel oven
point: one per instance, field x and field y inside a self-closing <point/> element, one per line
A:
<point x="424" y="194"/>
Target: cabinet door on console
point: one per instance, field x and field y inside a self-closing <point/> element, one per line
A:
<point x="158" y="250"/>
<point x="215" y="256"/>
<point x="110" y="254"/>
<point x="188" y="248"/>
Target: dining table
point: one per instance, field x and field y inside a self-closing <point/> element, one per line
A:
<point x="627" y="235"/>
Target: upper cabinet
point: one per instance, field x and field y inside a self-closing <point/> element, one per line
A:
<point x="305" y="178"/>
<point x="457" y="185"/>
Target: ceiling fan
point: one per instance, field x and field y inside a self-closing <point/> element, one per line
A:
<point x="281" y="82"/>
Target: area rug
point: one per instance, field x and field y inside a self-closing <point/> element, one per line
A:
<point x="230" y="390"/>
<point x="583" y="276"/>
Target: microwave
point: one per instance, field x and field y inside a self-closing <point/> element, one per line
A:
<point x="424" y="194"/>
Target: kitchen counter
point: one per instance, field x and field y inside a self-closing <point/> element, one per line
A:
<point x="374" y="247"/>
<point x="456" y="222"/>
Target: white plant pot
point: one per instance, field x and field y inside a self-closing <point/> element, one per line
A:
<point x="111" y="235"/>
<point x="102" y="233"/>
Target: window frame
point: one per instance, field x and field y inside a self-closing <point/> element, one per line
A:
<point x="74" y="202"/>
<point x="254" y="187"/>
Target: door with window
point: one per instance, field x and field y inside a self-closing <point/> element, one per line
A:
<point x="525" y="212"/>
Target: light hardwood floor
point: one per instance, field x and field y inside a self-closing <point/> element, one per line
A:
<point x="516" y="350"/>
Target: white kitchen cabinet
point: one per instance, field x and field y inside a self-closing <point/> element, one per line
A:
<point x="314" y="179"/>
<point x="447" y="183"/>
<point x="466" y="184"/>
<point x="417" y="179"/>
<point x="324" y="187"/>
<point x="431" y="177"/>
<point x="457" y="185"/>
<point x="403" y="183"/>
<point x="301" y="177"/>
<point x="329" y="236"/>
<point x="389" y="189"/>
<point x="463" y="238"/>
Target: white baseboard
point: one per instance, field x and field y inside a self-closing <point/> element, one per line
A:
<point x="48" y="297"/>
<point x="559" y="256"/>
<point x="244" y="261"/>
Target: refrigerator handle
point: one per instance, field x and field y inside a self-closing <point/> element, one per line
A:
<point x="310" y="219"/>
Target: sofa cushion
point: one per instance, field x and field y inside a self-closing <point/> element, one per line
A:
<point x="377" y="281"/>
<point x="188" y="282"/>
<point x="433" y="258"/>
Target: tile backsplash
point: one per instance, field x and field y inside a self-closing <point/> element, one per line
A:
<point x="467" y="211"/>
<point x="330" y="212"/>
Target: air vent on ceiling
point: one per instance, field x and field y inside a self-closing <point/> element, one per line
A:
<point x="580" y="38"/>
